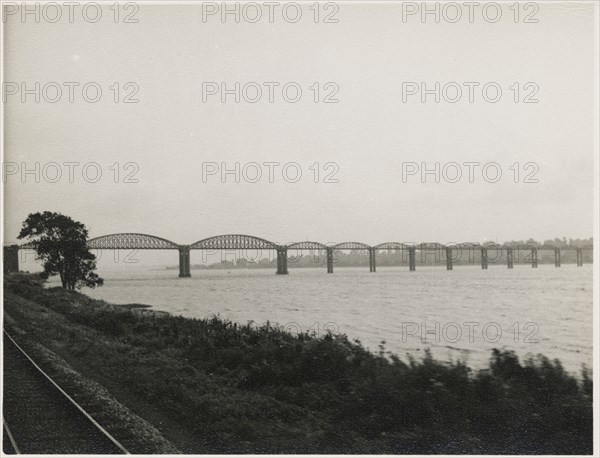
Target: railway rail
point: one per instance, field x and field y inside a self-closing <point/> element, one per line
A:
<point x="40" y="417"/>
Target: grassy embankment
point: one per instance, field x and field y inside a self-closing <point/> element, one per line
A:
<point x="211" y="386"/>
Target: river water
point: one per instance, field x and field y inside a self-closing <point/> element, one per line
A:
<point x="461" y="314"/>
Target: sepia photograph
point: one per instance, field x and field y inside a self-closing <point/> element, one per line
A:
<point x="300" y="228"/>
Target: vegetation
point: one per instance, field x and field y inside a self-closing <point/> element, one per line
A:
<point x="217" y="387"/>
<point x="61" y="244"/>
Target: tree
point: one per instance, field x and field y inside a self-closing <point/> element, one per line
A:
<point x="61" y="244"/>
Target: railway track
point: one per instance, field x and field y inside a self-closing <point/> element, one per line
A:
<point x="40" y="417"/>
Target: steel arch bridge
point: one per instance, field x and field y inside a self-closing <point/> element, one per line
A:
<point x="231" y="242"/>
<point x="391" y="246"/>
<point x="307" y="246"/>
<point x="351" y="246"/>
<point x="131" y="241"/>
<point x="28" y="246"/>
<point x="137" y="241"/>
<point x="430" y="246"/>
<point x="234" y="242"/>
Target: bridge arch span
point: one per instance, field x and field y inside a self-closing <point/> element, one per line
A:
<point x="131" y="241"/>
<point x="351" y="246"/>
<point x="391" y="246"/>
<point x="307" y="246"/>
<point x="477" y="245"/>
<point x="234" y="242"/>
<point x="430" y="246"/>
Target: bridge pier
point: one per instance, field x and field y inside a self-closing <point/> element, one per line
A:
<point x="372" y="263"/>
<point x="579" y="257"/>
<point x="329" y="260"/>
<point x="448" y="258"/>
<point x="556" y="257"/>
<point x="412" y="258"/>
<point x="484" y="258"/>
<point x="534" y="258"/>
<point x="184" y="262"/>
<point x="282" y="261"/>
<point x="11" y="258"/>
<point x="509" y="258"/>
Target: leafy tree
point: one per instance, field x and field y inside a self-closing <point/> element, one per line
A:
<point x="61" y="244"/>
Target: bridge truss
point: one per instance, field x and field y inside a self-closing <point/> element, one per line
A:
<point x="131" y="241"/>
<point x="136" y="241"/>
<point x="234" y="242"/>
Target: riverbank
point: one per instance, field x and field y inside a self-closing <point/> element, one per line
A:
<point x="212" y="386"/>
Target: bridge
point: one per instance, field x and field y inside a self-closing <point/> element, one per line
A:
<point x="135" y="241"/>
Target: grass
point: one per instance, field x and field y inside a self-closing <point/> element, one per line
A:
<point x="212" y="386"/>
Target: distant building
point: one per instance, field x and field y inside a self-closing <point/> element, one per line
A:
<point x="11" y="259"/>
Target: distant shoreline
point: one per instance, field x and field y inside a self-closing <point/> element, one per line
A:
<point x="366" y="265"/>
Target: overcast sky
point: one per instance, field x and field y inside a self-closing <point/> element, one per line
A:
<point x="368" y="134"/>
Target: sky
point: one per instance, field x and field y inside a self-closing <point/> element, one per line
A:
<point x="162" y="144"/>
